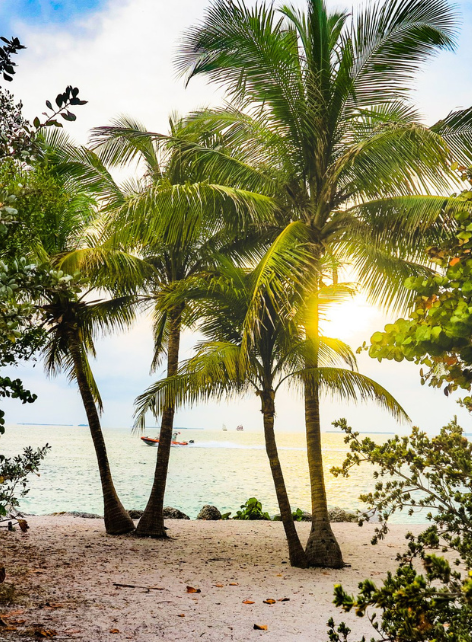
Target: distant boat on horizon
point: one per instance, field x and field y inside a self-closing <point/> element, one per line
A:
<point x="240" y="428"/>
<point x="224" y="429"/>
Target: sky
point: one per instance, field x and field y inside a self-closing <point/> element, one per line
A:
<point x="120" y="54"/>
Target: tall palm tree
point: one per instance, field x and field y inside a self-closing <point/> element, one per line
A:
<point x="72" y="321"/>
<point x="319" y="109"/>
<point x="226" y="365"/>
<point x="178" y="223"/>
<point x="68" y="312"/>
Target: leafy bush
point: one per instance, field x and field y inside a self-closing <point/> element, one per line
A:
<point x="297" y="515"/>
<point x="252" y="509"/>
<point x="437" y="334"/>
<point x="418" y="473"/>
<point x="13" y="474"/>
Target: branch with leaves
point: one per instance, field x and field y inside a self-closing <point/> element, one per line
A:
<point x="438" y="333"/>
<point x="417" y="473"/>
<point x="10" y="48"/>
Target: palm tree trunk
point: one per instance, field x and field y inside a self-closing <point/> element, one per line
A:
<point x="151" y="523"/>
<point x="322" y="548"/>
<point x="295" y="549"/>
<point x="117" y="520"/>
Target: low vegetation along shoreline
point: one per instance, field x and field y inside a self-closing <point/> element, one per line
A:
<point x="249" y="511"/>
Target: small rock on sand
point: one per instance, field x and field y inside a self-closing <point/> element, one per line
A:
<point x="174" y="513"/>
<point x="209" y="512"/>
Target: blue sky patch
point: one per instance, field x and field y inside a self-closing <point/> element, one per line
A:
<point x="39" y="12"/>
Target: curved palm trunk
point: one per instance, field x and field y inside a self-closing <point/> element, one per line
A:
<point x="322" y="548"/>
<point x="151" y="523"/>
<point x="295" y="549"/>
<point x="117" y="520"/>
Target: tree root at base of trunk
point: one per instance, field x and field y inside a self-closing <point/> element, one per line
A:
<point x="322" y="549"/>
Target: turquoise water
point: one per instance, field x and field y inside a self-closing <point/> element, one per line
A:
<point x="220" y="468"/>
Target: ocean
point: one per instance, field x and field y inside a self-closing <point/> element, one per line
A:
<point x="220" y="468"/>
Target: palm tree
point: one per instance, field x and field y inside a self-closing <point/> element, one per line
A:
<point x="72" y="319"/>
<point x="175" y="221"/>
<point x="226" y="364"/>
<point x="319" y="110"/>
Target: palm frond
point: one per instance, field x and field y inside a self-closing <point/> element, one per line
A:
<point x="286" y="262"/>
<point x="124" y="142"/>
<point x="214" y="372"/>
<point x="352" y="386"/>
<point x="456" y="130"/>
<point x="392" y="41"/>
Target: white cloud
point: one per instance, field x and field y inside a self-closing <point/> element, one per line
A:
<point x="119" y="57"/>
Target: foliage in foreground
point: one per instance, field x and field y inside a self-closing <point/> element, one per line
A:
<point x="13" y="478"/>
<point x="29" y="200"/>
<point x="418" y="473"/>
<point x="437" y="335"/>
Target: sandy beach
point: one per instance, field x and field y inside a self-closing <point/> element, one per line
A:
<point x="65" y="570"/>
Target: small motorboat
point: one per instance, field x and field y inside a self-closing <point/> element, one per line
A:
<point x="154" y="441"/>
<point x="239" y="428"/>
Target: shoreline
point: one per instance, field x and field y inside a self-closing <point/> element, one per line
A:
<point x="65" y="570"/>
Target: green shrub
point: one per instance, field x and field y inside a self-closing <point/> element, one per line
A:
<point x="297" y="515"/>
<point x="417" y="473"/>
<point x="13" y="478"/>
<point x="252" y="509"/>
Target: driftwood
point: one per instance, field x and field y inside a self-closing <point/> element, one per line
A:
<point x="149" y="588"/>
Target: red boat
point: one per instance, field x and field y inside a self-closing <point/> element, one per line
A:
<point x="151" y="441"/>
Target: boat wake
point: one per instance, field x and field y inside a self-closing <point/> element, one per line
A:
<point x="234" y="446"/>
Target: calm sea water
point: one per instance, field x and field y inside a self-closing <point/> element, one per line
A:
<point x="220" y="468"/>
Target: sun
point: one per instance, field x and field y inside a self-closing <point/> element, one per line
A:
<point x="351" y="319"/>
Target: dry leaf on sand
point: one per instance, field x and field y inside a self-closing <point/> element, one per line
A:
<point x="181" y="615"/>
<point x="269" y="601"/>
<point x="219" y="585"/>
<point x="248" y="602"/>
<point x="284" y="599"/>
<point x="45" y="633"/>
<point x="233" y="584"/>
<point x="191" y="589"/>
<point x="260" y="627"/>
<point x="114" y="630"/>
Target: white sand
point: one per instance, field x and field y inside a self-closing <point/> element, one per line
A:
<point x="71" y="564"/>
